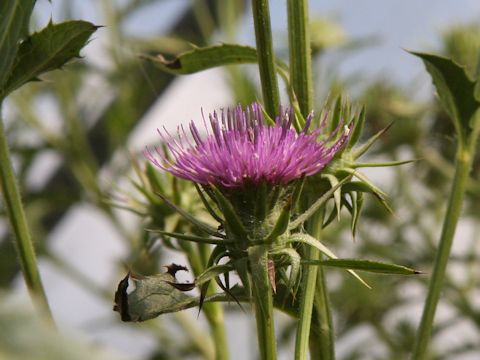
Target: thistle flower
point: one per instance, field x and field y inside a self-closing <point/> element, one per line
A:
<point x="243" y="150"/>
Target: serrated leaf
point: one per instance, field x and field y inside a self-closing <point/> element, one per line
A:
<point x="455" y="90"/>
<point x="15" y="15"/>
<point x="47" y="50"/>
<point x="200" y="59"/>
<point x="368" y="265"/>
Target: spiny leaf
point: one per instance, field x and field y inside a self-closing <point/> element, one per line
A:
<point x="366" y="265"/>
<point x="205" y="203"/>
<point x="316" y="205"/>
<point x="455" y="90"/>
<point x="212" y="272"/>
<point x="294" y="262"/>
<point x="15" y="15"/>
<point x="337" y="195"/>
<point x="193" y="238"/>
<point x="383" y="164"/>
<point x="47" y="50"/>
<point x="357" y="204"/>
<point x="357" y="129"/>
<point x="309" y="240"/>
<point x="200" y="224"/>
<point x="362" y="149"/>
<point x="231" y="217"/>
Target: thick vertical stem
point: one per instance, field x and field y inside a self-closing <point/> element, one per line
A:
<point x="18" y="222"/>
<point x="263" y="302"/>
<point x="300" y="54"/>
<point x="266" y="57"/>
<point x="462" y="169"/>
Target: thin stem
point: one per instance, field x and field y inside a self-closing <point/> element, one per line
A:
<point x="324" y="345"/>
<point x="266" y="57"/>
<point x="306" y="307"/>
<point x="263" y="302"/>
<point x="300" y="54"/>
<point x="213" y="311"/>
<point x="462" y="169"/>
<point x="314" y="298"/>
<point x="18" y="222"/>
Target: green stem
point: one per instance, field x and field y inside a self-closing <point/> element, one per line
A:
<point x="213" y="311"/>
<point x="306" y="307"/>
<point x="266" y="57"/>
<point x="263" y="302"/>
<point x="324" y="345"/>
<point x="300" y="54"/>
<point x="314" y="298"/>
<point x="462" y="170"/>
<point x="18" y="222"/>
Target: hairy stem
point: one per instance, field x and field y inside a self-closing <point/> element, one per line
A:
<point x="18" y="221"/>
<point x="462" y="169"/>
<point x="266" y="57"/>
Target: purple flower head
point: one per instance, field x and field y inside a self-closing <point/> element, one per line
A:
<point x="242" y="149"/>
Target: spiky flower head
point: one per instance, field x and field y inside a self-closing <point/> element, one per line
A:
<point x="242" y="149"/>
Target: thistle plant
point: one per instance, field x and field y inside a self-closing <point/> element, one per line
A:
<point x="266" y="179"/>
<point x="263" y="182"/>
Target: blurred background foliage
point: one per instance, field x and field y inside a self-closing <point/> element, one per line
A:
<point x="79" y="120"/>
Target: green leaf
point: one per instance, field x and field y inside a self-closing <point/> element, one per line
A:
<point x="357" y="128"/>
<point x="231" y="217"/>
<point x="455" y="90"/>
<point x="212" y="272"/>
<point x="316" y="205"/>
<point x="15" y="15"/>
<point x="311" y="241"/>
<point x="193" y="238"/>
<point x="190" y="218"/>
<point x="47" y="50"/>
<point x="366" y="265"/>
<point x="357" y="152"/>
<point x="200" y="59"/>
<point x="337" y="195"/>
